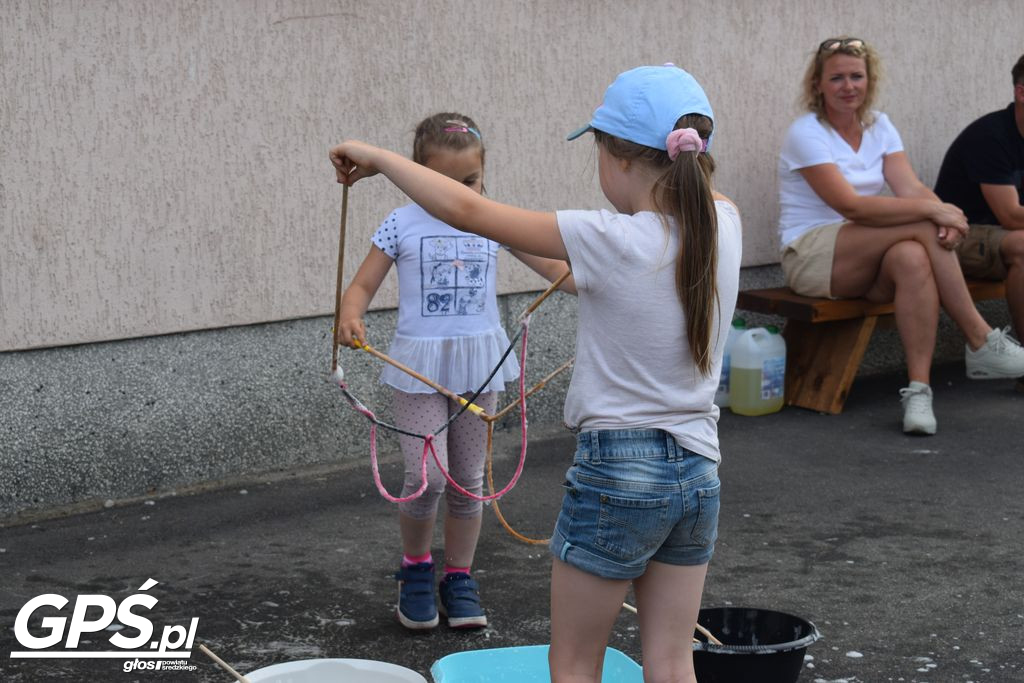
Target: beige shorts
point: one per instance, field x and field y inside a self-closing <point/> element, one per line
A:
<point x="979" y="253"/>
<point x="807" y="261"/>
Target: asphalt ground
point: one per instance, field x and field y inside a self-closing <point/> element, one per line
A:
<point x="904" y="551"/>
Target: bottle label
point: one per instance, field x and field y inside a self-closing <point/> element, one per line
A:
<point x="773" y="378"/>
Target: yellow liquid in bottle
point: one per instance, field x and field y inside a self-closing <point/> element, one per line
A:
<point x="746" y="393"/>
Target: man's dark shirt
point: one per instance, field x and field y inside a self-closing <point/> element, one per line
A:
<point x="990" y="151"/>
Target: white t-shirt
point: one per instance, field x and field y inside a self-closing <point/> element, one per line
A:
<point x="809" y="142"/>
<point x="634" y="368"/>
<point x="449" y="328"/>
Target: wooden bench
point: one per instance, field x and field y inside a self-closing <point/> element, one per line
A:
<point x="826" y="339"/>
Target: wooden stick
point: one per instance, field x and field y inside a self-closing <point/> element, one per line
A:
<point x="220" y="662"/>
<point x="536" y="387"/>
<point x="341" y="268"/>
<point x="706" y="633"/>
<point x="472" y="407"/>
<point x="544" y="295"/>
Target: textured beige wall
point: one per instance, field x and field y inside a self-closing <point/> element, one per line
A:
<point x="163" y="163"/>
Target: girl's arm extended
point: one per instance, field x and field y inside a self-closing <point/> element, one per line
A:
<point x="359" y="294"/>
<point x="534" y="232"/>
<point x="548" y="268"/>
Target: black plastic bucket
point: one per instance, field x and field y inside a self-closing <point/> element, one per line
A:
<point x="758" y="646"/>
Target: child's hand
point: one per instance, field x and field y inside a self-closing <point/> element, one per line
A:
<point x="353" y="160"/>
<point x="350" y="330"/>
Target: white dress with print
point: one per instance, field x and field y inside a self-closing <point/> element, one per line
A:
<point x="449" y="329"/>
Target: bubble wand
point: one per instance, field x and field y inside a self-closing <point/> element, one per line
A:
<point x="338" y="376"/>
<point x="471" y="407"/>
<point x="341" y="269"/>
<point x="224" y="665"/>
<point x="468" y="405"/>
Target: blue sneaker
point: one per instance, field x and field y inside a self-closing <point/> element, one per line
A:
<point x="460" y="601"/>
<point x="416" y="607"/>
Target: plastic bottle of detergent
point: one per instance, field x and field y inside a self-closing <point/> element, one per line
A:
<point x="757" y="373"/>
<point x="739" y="326"/>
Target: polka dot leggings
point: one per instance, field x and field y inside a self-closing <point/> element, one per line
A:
<point x="461" y="448"/>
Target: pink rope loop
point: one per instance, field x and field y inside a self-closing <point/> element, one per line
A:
<point x="522" y="453"/>
<point x="376" y="469"/>
<point x="428" y="442"/>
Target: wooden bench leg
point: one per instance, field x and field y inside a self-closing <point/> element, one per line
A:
<point x="822" y="360"/>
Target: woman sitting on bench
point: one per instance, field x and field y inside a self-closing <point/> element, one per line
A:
<point x="841" y="239"/>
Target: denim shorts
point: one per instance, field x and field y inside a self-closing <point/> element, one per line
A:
<point x="632" y="496"/>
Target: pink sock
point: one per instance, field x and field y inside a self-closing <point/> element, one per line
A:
<point x="408" y="560"/>
<point x="448" y="569"/>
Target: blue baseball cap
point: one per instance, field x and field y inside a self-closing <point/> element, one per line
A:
<point x="643" y="105"/>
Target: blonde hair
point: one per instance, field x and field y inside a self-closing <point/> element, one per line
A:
<point x="683" y="193"/>
<point x="811" y="98"/>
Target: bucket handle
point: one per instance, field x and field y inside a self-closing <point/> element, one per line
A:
<point x="703" y="631"/>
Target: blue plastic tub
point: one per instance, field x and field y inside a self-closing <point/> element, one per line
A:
<point x="525" y="664"/>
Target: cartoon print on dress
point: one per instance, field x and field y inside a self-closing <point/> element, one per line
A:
<point x="471" y="302"/>
<point x="441" y="275"/>
<point x="441" y="248"/>
<point x="453" y="273"/>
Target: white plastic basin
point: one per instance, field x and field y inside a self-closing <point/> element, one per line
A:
<point x="335" y="671"/>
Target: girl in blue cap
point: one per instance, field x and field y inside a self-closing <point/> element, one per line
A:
<point x="657" y="282"/>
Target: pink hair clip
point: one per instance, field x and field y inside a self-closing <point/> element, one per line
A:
<point x="462" y="129"/>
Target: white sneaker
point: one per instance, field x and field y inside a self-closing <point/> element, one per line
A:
<point x="1000" y="357"/>
<point x="918" y="417"/>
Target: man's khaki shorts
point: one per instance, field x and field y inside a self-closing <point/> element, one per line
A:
<point x="980" y="255"/>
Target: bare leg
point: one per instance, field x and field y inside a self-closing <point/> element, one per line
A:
<point x="583" y="609"/>
<point x="460" y="538"/>
<point x="858" y="257"/>
<point x="1012" y="250"/>
<point x="905" y="278"/>
<point x="668" y="599"/>
<point x="416" y="534"/>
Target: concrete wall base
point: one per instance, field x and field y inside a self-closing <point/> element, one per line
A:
<point x="84" y="425"/>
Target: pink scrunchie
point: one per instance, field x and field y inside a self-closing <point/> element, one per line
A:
<point x="684" y="140"/>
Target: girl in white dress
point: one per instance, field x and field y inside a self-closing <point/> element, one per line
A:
<point x="449" y="330"/>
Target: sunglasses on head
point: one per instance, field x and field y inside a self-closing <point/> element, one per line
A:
<point x="833" y="44"/>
